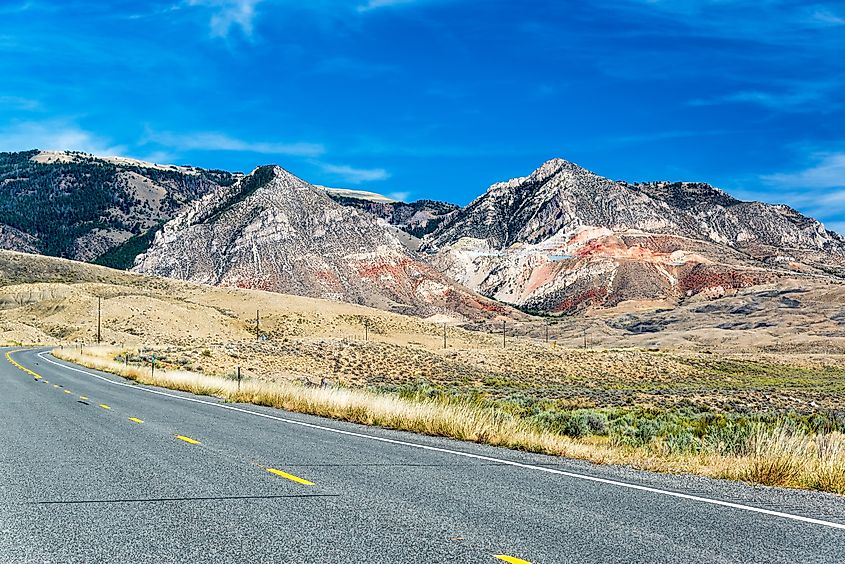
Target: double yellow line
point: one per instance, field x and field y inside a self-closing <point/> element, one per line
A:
<point x="19" y="367"/>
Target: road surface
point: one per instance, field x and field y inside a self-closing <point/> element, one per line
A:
<point x="95" y="469"/>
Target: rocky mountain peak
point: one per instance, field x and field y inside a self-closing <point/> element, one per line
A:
<point x="558" y="166"/>
<point x="274" y="231"/>
<point x="564" y="236"/>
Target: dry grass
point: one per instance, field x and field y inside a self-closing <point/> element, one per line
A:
<point x="463" y="422"/>
<point x="51" y="301"/>
<point x="771" y="455"/>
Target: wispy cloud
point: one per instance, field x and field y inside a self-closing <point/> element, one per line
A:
<point x="828" y="171"/>
<point x="812" y="95"/>
<point x="838" y="226"/>
<point x="226" y="15"/>
<point x="159" y="157"/>
<point x="376" y="4"/>
<point x="353" y="175"/>
<point x="765" y="21"/>
<point x="56" y="135"/>
<point x="828" y="17"/>
<point x="216" y="141"/>
<point x="19" y="103"/>
<point x="401" y="196"/>
<point x="649" y="136"/>
<point x="16" y="7"/>
<point x="818" y="189"/>
<point x="355" y="67"/>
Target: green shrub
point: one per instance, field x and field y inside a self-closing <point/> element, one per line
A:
<point x="577" y="424"/>
<point x="683" y="442"/>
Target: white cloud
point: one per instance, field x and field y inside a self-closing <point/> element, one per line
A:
<point x="229" y="14"/>
<point x="215" y="141"/>
<point x="828" y="172"/>
<point x="355" y="175"/>
<point x="55" y="135"/>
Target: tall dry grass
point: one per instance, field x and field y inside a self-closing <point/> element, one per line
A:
<point x="463" y="422"/>
<point x="774" y="455"/>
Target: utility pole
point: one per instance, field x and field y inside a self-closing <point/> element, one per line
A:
<point x="257" y="326"/>
<point x="239" y="379"/>
<point x="547" y="331"/>
<point x="444" y="335"/>
<point x="153" y="367"/>
<point x="585" y="338"/>
<point x="366" y="330"/>
<point x="99" y="312"/>
<point x="504" y="333"/>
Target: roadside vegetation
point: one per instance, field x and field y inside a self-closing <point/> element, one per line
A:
<point x="783" y="448"/>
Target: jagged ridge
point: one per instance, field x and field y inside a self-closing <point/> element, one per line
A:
<point x="564" y="237"/>
<point x="274" y="231"/>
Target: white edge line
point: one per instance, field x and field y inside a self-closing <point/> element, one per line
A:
<point x="466" y="454"/>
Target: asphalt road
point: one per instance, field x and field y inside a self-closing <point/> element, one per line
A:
<point x="189" y="480"/>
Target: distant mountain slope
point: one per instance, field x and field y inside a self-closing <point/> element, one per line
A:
<point x="79" y="206"/>
<point x="417" y="218"/>
<point x="274" y="231"/>
<point x="564" y="237"/>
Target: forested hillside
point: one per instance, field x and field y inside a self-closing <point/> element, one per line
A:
<point x="78" y="206"/>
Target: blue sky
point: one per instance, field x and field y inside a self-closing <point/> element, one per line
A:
<point x="440" y="98"/>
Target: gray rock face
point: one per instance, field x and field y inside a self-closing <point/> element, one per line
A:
<point x="12" y="239"/>
<point x="273" y="231"/>
<point x="564" y="237"/>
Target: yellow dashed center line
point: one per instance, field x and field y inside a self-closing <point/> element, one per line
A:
<point x="511" y="559"/>
<point x="188" y="440"/>
<point x="290" y="477"/>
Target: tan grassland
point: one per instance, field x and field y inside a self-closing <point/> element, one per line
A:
<point x="772" y="349"/>
<point x="776" y="455"/>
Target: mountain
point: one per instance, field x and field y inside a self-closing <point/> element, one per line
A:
<point x="78" y="206"/>
<point x="418" y="218"/>
<point x="564" y="238"/>
<point x="559" y="240"/>
<point x="273" y="231"/>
